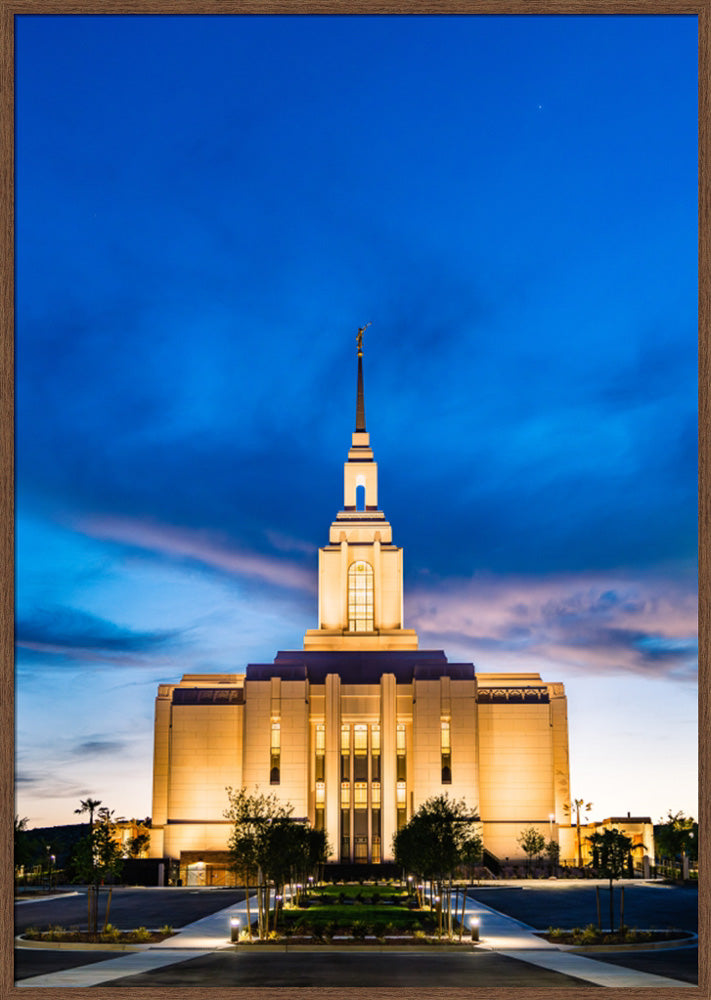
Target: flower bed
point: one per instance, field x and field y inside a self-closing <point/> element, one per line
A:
<point x="112" y="935"/>
<point x="592" y="935"/>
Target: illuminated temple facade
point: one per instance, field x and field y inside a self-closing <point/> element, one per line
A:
<point x="361" y="726"/>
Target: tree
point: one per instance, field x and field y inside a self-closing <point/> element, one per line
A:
<point x="677" y="835"/>
<point x="441" y="838"/>
<point x="532" y="842"/>
<point x="138" y="844"/>
<point x="611" y="857"/>
<point x="552" y="850"/>
<point x="98" y="859"/>
<point x="577" y="805"/>
<point x="270" y="848"/>
<point x="90" y="806"/>
<point x="25" y="848"/>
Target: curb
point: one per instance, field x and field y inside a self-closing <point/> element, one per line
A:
<point x="689" y="938"/>
<point x="44" y="899"/>
<point x="347" y="949"/>
<point x="23" y="942"/>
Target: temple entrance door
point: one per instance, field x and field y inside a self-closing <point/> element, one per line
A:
<point x="361" y="850"/>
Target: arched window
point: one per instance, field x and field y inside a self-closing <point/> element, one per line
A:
<point x="360" y="597"/>
<point x="360" y="497"/>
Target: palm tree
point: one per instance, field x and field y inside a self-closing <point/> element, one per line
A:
<point x="577" y="805"/>
<point x="89" y="805"/>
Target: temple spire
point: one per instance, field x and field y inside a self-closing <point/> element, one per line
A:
<point x="360" y="400"/>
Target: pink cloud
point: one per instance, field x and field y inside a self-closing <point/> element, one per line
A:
<point x="182" y="543"/>
<point x="591" y="623"/>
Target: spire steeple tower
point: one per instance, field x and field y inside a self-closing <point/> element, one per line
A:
<point x="360" y="397"/>
<point x="360" y="570"/>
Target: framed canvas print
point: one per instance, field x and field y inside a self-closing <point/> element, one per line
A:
<point x="356" y="498"/>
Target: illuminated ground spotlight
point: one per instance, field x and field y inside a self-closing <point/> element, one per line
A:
<point x="234" y="928"/>
<point x="474" y="925"/>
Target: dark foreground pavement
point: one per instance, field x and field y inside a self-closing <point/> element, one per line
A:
<point x="678" y="963"/>
<point x="130" y="907"/>
<point x="355" y="970"/>
<point x="38" y="962"/>
<point x="573" y="904"/>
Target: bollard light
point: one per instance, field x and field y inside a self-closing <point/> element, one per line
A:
<point x="474" y="924"/>
<point x="234" y="929"/>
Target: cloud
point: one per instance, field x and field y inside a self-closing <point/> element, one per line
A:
<point x="197" y="546"/>
<point x="69" y="634"/>
<point x="583" y="623"/>
<point x="93" y="748"/>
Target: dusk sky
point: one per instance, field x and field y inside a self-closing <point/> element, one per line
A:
<point x="207" y="210"/>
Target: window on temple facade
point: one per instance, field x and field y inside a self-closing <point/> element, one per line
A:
<point x="360" y="597"/>
<point x="320" y="747"/>
<point x="275" y="755"/>
<point x="446" y="750"/>
<point x="401" y="750"/>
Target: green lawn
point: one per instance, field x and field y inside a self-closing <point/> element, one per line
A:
<point x="341" y="917"/>
<point x="365" y="892"/>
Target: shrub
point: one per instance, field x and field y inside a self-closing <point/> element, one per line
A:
<point x="32" y="933"/>
<point x="589" y="935"/>
<point x="359" y="929"/>
<point x="54" y="932"/>
<point x="110" y="933"/>
<point x="141" y="934"/>
<point x="375" y="898"/>
<point x="329" y="929"/>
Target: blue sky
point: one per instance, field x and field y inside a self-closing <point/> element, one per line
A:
<point x="207" y="209"/>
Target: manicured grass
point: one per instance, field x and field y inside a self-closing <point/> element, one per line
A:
<point x="353" y="891"/>
<point x="343" y="917"/>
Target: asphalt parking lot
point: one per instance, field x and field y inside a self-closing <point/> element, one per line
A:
<point x="540" y="905"/>
<point x="572" y="904"/>
<point x="343" y="970"/>
<point x="130" y="908"/>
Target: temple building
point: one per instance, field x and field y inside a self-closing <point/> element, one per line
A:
<point x="361" y="726"/>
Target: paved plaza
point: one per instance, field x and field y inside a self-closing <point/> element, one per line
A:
<point x="509" y="953"/>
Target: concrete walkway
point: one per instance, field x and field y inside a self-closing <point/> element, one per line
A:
<point x="206" y="935"/>
<point x="514" y="939"/>
<point x="503" y="935"/>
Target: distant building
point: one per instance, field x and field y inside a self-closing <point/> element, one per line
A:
<point x="639" y="829"/>
<point x="361" y="726"/>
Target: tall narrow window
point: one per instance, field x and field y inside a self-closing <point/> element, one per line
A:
<point x="345" y="753"/>
<point x="360" y="497"/>
<point x="360" y="597"/>
<point x="275" y="755"/>
<point x="375" y="753"/>
<point x="320" y="753"/>
<point x="320" y="805"/>
<point x="360" y="753"/>
<point x="345" y="821"/>
<point x="446" y="750"/>
<point x="401" y="750"/>
<point x="401" y="793"/>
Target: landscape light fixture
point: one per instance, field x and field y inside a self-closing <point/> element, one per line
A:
<point x="234" y="929"/>
<point x="474" y="924"/>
